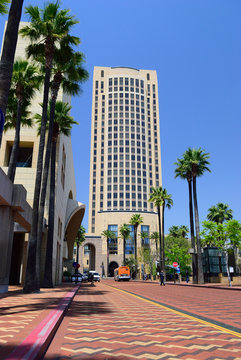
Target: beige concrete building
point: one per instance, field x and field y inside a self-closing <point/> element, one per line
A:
<point x="125" y="160"/>
<point x="68" y="212"/>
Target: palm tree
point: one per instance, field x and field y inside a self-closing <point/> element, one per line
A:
<point x="25" y="81"/>
<point x="80" y="238"/>
<point x="63" y="123"/>
<point x="220" y="213"/>
<point x="108" y="234"/>
<point x="196" y="161"/>
<point x="183" y="230"/>
<point x="144" y="235"/>
<point x="135" y="221"/>
<point x="161" y="199"/>
<point x="3" y="6"/>
<point x="174" y="231"/>
<point x="183" y="171"/>
<point x="155" y="236"/>
<point x="125" y="234"/>
<point x="67" y="73"/>
<point x="8" y="50"/>
<point x="47" y="28"/>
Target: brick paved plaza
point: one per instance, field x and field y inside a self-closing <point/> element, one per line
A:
<point x="105" y="323"/>
<point x="124" y="320"/>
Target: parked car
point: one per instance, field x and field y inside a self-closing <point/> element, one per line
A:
<point x="79" y="277"/>
<point x="96" y="276"/>
<point x="85" y="277"/>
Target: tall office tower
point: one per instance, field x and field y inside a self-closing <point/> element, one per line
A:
<point x="125" y="149"/>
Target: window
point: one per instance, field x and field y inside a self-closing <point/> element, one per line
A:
<point x="113" y="243"/>
<point x="130" y="249"/>
<point x="25" y="154"/>
<point x="146" y="240"/>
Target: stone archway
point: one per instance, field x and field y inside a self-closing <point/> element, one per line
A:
<point x="88" y="257"/>
<point x="112" y="266"/>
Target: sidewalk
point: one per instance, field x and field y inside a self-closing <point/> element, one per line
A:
<point x="28" y="321"/>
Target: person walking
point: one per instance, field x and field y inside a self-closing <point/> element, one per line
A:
<point x="187" y="277"/>
<point x="162" y="278"/>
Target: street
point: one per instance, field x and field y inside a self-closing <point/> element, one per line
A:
<point x="138" y="320"/>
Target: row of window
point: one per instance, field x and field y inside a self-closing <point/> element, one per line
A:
<point x="130" y="244"/>
<point x="126" y="81"/>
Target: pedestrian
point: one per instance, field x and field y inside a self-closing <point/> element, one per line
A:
<point x="162" y="278"/>
<point x="187" y="277"/>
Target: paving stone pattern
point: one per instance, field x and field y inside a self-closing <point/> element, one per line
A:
<point x="104" y="323"/>
<point x="21" y="313"/>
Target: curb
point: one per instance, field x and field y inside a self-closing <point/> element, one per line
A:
<point x="37" y="342"/>
<point x="220" y="287"/>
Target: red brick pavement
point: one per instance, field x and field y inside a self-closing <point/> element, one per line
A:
<point x="105" y="323"/>
<point x="21" y="313"/>
<point x="217" y="304"/>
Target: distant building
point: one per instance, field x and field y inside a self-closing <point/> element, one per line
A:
<point x="125" y="161"/>
<point x="68" y="212"/>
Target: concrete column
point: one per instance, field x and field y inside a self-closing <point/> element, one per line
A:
<point x="6" y="242"/>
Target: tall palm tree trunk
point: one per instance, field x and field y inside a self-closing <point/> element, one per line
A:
<point x="31" y="284"/>
<point x="14" y="154"/>
<point x="199" y="253"/>
<point x="163" y="242"/>
<point x="160" y="236"/>
<point x="8" y="52"/>
<point x="44" y="185"/>
<point x="124" y="251"/>
<point x="194" y="259"/>
<point x="108" y="257"/>
<point x="48" y="277"/>
<point x="135" y="241"/>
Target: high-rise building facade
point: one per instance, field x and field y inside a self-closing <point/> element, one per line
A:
<point x="125" y="150"/>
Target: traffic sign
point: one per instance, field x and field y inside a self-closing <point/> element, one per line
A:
<point x="175" y="264"/>
<point x="75" y="264"/>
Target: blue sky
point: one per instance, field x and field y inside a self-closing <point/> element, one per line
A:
<point x="195" y="47"/>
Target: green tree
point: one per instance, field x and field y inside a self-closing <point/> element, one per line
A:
<point x="4" y="6"/>
<point x="132" y="263"/>
<point x="161" y="199"/>
<point x="47" y="28"/>
<point x="63" y="123"/>
<point x="25" y="81"/>
<point x="155" y="236"/>
<point x="135" y="221"/>
<point x="195" y="162"/>
<point x="144" y="235"/>
<point x="108" y="234"/>
<point x="179" y="231"/>
<point x="184" y="171"/>
<point x="147" y="257"/>
<point x="219" y="213"/>
<point x="68" y="73"/>
<point x="224" y="236"/>
<point x="174" y="231"/>
<point x="80" y="238"/>
<point x="8" y="50"/>
<point x="125" y="235"/>
<point x="177" y="250"/>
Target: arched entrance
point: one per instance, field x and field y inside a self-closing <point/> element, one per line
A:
<point x="89" y="257"/>
<point x="113" y="265"/>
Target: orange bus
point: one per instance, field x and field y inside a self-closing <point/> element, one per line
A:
<point x="122" y="273"/>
